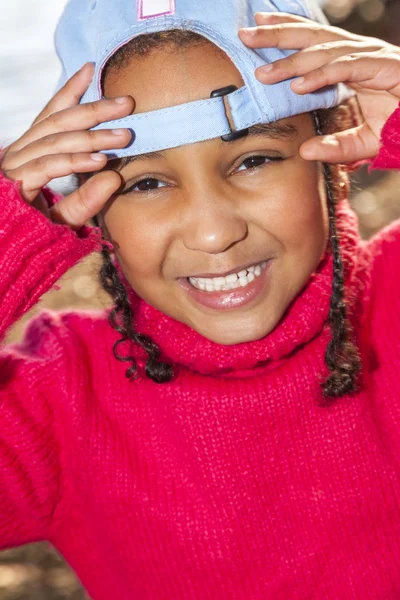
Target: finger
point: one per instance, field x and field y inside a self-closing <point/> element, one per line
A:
<point x="70" y="94"/>
<point x="83" y="204"/>
<point x="39" y="172"/>
<point x="81" y="117"/>
<point x="274" y="18"/>
<point x="269" y="18"/>
<point x="375" y="71"/>
<point x="309" y="59"/>
<point x="355" y="144"/>
<point x="293" y="36"/>
<point x="69" y="142"/>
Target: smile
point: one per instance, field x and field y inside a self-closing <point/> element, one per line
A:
<point x="231" y="292"/>
<point x="230" y="282"/>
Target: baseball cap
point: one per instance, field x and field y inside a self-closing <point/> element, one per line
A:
<point x="93" y="30"/>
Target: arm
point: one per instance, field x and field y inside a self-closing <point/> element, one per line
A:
<point x="37" y="246"/>
<point x="34" y="253"/>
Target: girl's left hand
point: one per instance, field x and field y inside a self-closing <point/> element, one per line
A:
<point x="329" y="55"/>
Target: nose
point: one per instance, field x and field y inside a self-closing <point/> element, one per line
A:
<point x="212" y="223"/>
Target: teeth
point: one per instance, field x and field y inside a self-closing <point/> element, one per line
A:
<point x="219" y="281"/>
<point x="231" y="278"/>
<point x="230" y="282"/>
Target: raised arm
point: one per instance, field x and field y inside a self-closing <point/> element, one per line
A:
<point x="42" y="237"/>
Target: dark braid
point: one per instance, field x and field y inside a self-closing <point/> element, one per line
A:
<point x="342" y="356"/>
<point x="159" y="372"/>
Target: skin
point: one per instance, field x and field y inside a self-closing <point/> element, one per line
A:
<point x="211" y="216"/>
<point x="204" y="215"/>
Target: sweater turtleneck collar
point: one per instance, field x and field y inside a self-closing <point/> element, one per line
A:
<point x="304" y="319"/>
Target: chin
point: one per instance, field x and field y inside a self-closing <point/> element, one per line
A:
<point x="236" y="335"/>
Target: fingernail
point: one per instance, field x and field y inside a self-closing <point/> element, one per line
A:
<point x="121" y="100"/>
<point x="268" y="19"/>
<point x="299" y="81"/>
<point x="86" y="65"/>
<point x="97" y="157"/>
<point x="330" y="140"/>
<point x="266" y="68"/>
<point x="118" y="131"/>
<point x="249" y="30"/>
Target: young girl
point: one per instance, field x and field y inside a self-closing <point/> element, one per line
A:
<point x="250" y="449"/>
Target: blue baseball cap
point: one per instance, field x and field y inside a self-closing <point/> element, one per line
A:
<point x="93" y="30"/>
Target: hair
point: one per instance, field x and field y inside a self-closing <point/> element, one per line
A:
<point x="342" y="357"/>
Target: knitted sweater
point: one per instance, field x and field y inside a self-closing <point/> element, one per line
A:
<point x="230" y="482"/>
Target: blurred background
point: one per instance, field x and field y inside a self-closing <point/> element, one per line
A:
<point x="29" y="70"/>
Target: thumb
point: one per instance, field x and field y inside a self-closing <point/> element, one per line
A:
<point x="358" y="143"/>
<point x="87" y="201"/>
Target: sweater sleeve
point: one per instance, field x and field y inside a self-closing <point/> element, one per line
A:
<point x="389" y="153"/>
<point x="33" y="379"/>
<point x="34" y="253"/>
<point x="381" y="321"/>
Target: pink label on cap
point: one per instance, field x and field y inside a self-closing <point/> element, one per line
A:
<point x="155" y="8"/>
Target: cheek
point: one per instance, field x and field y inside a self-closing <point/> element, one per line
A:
<point x="299" y="214"/>
<point x="295" y="214"/>
<point x="141" y="240"/>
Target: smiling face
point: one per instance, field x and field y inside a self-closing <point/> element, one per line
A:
<point x="211" y="208"/>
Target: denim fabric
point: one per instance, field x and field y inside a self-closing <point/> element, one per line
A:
<point x="94" y="30"/>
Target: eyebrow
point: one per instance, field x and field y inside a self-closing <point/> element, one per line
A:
<point x="274" y="131"/>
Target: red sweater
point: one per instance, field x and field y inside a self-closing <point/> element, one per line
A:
<point x="229" y="482"/>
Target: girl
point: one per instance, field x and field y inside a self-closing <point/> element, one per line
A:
<point x="252" y="449"/>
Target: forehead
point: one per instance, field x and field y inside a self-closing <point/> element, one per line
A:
<point x="171" y="75"/>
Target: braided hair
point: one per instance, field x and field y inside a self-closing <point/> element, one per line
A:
<point x="155" y="369"/>
<point x="342" y="356"/>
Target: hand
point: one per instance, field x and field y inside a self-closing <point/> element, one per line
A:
<point x="329" y="55"/>
<point x="60" y="143"/>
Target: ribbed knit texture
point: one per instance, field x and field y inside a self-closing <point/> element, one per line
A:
<point x="229" y="482"/>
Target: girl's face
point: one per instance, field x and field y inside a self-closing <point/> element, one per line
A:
<point x="212" y="208"/>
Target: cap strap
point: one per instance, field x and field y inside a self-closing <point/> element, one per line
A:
<point x="185" y="123"/>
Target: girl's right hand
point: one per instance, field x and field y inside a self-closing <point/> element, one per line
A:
<point x="60" y="143"/>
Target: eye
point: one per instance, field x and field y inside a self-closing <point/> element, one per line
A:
<point x="145" y="185"/>
<point x="252" y="162"/>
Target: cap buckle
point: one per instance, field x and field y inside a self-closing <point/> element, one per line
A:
<point x="234" y="134"/>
